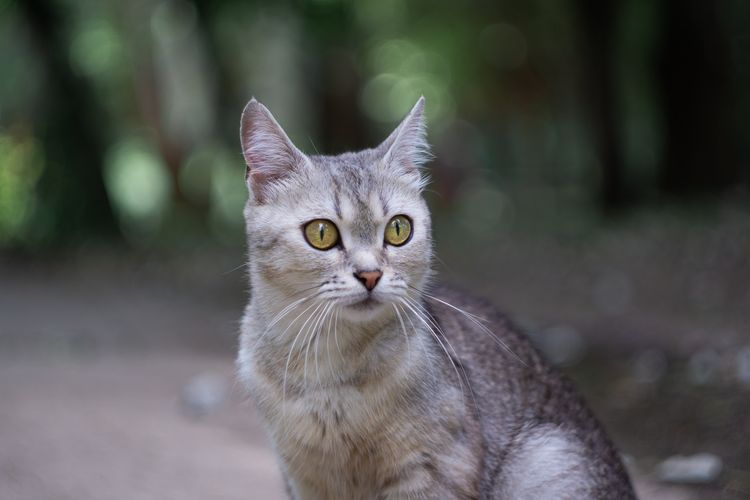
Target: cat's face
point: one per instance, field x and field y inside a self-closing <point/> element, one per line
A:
<point x="352" y="229"/>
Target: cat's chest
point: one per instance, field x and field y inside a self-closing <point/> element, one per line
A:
<point x="340" y="444"/>
<point x="327" y="420"/>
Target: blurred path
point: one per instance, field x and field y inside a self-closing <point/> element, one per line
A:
<point x="113" y="428"/>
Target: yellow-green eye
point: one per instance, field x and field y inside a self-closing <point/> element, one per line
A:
<point x="398" y="230"/>
<point x="321" y="234"/>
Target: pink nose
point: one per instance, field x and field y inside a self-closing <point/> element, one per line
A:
<point x="368" y="278"/>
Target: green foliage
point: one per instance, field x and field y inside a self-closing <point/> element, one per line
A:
<point x="526" y="116"/>
<point x="21" y="164"/>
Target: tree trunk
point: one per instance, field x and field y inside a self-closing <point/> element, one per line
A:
<point x="598" y="20"/>
<point x="700" y="153"/>
<point x="74" y="202"/>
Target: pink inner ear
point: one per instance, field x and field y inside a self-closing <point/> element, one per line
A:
<point x="407" y="146"/>
<point x="257" y="182"/>
<point x="269" y="154"/>
<point x="262" y="171"/>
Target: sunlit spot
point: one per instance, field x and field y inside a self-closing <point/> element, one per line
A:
<point x="403" y="71"/>
<point x="21" y="164"/>
<point x="96" y="49"/>
<point x="138" y="184"/>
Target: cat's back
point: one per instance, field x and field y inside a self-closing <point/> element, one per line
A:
<point x="531" y="416"/>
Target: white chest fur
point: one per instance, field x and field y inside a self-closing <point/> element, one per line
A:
<point x="341" y="440"/>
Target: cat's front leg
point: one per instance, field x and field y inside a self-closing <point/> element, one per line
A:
<point x="298" y="490"/>
<point x="426" y="483"/>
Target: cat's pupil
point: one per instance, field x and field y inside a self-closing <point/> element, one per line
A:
<point x="322" y="230"/>
<point x="398" y="228"/>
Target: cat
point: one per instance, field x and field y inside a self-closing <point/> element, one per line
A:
<point x="372" y="381"/>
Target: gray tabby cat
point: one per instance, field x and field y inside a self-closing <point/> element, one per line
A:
<point x="371" y="383"/>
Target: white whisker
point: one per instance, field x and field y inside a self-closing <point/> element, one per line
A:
<point x="445" y="338"/>
<point x="245" y="264"/>
<point x="310" y="335"/>
<point x="315" y="333"/>
<point x="429" y="328"/>
<point x="477" y="320"/>
<point x="336" y="335"/>
<point x="403" y="329"/>
<point x="288" y="309"/>
<point x="328" y="341"/>
<point x="291" y="349"/>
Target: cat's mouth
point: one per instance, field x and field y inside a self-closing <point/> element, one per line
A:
<point x="368" y="303"/>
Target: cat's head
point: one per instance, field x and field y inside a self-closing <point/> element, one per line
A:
<point x="352" y="229"/>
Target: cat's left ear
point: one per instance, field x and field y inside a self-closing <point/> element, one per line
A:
<point x="269" y="154"/>
<point x="406" y="150"/>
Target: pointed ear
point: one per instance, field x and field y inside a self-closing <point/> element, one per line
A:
<point x="269" y="153"/>
<point x="407" y="149"/>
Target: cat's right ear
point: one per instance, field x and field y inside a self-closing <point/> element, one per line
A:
<point x="268" y="151"/>
<point x="406" y="150"/>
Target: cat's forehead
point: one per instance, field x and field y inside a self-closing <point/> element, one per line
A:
<point x="361" y="178"/>
<point x="353" y="174"/>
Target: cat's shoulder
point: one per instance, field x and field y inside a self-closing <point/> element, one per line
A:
<point x="479" y="325"/>
<point x="444" y="298"/>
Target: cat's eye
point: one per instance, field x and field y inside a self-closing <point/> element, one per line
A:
<point x="321" y="234"/>
<point x="398" y="230"/>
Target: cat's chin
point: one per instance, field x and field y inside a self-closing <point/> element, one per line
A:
<point x="364" y="310"/>
<point x="365" y="304"/>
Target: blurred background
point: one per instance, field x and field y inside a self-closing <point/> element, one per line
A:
<point x="591" y="177"/>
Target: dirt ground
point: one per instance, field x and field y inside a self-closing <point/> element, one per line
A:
<point x="113" y="429"/>
<point x="95" y="358"/>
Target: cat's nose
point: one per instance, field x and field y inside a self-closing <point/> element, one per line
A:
<point x="368" y="278"/>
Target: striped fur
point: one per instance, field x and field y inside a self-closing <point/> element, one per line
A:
<point x="408" y="395"/>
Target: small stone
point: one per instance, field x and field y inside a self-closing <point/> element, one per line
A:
<point x="743" y="365"/>
<point x="701" y="468"/>
<point x="703" y="366"/>
<point x="563" y="345"/>
<point x="629" y="462"/>
<point x="649" y="366"/>
<point x="204" y="394"/>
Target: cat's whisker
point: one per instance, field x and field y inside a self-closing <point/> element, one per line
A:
<point x="428" y="295"/>
<point x="336" y="335"/>
<point x="403" y="329"/>
<point x="328" y="341"/>
<point x="445" y="337"/>
<point x="295" y="319"/>
<point x="441" y="261"/>
<point x="437" y="338"/>
<point x="461" y="366"/>
<point x="279" y="316"/>
<point x="315" y="334"/>
<point x="413" y="329"/>
<point x="476" y="320"/>
<point x="309" y="336"/>
<point x="287" y="309"/>
<point x="244" y="264"/>
<point x="313" y="144"/>
<point x="316" y="284"/>
<point x="329" y="314"/>
<point x="439" y="329"/>
<point x="291" y="349"/>
<point x="308" y="332"/>
<point x="321" y="330"/>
